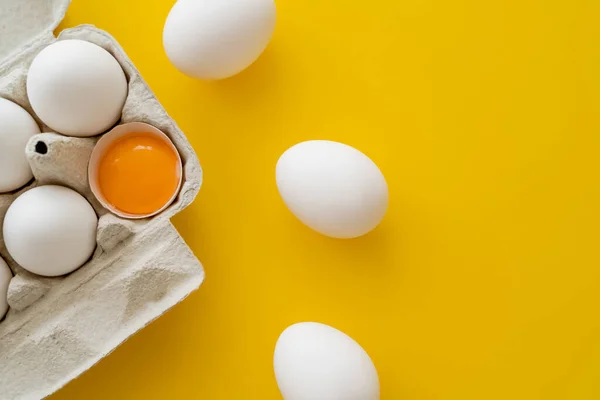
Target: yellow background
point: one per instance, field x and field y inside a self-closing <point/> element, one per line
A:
<point x="483" y="282"/>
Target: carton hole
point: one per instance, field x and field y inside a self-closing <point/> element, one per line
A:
<point x="41" y="148"/>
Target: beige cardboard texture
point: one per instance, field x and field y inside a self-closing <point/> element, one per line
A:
<point x="57" y="328"/>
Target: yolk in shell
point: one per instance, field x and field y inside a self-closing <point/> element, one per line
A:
<point x="139" y="173"/>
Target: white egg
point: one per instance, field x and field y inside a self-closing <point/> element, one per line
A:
<point x="5" y="277"/>
<point x="215" y="39"/>
<point x="16" y="128"/>
<point x="332" y="188"/>
<point x="76" y="88"/>
<point x="50" y="230"/>
<point x="313" y="361"/>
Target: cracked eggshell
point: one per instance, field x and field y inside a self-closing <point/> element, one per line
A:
<point x="76" y="88"/>
<point x="16" y="128"/>
<point x="50" y="230"/>
<point x="106" y="141"/>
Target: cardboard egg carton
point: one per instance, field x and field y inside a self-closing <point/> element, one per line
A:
<point x="56" y="328"/>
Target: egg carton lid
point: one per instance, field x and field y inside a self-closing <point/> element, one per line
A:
<point x="24" y="22"/>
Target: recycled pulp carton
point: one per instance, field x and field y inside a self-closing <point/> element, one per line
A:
<point x="57" y="328"/>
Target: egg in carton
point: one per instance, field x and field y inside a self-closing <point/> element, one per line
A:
<point x="56" y="328"/>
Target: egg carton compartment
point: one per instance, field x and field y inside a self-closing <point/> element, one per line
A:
<point x="56" y="328"/>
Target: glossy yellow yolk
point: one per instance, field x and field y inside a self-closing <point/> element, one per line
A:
<point x="138" y="174"/>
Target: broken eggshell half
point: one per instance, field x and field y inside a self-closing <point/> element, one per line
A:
<point x="105" y="143"/>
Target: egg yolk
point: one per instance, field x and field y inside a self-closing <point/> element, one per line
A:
<point x="138" y="173"/>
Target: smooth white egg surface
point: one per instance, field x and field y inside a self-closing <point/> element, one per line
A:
<point x="5" y="277"/>
<point x="77" y="88"/>
<point x="16" y="128"/>
<point x="50" y="230"/>
<point x="332" y="188"/>
<point x="314" y="361"/>
<point x="215" y="39"/>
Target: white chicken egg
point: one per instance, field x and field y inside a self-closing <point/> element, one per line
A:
<point x="332" y="188"/>
<point x="50" y="230"/>
<point x="76" y="88"/>
<point x="215" y="39"/>
<point x="5" y="277"/>
<point x="16" y="128"/>
<point x="314" y="361"/>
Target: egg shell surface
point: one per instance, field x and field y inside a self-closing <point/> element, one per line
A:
<point x="215" y="39"/>
<point x="16" y="128"/>
<point x="332" y="188"/>
<point x="76" y="88"/>
<point x="314" y="361"/>
<point x="50" y="230"/>
<point x="5" y="277"/>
